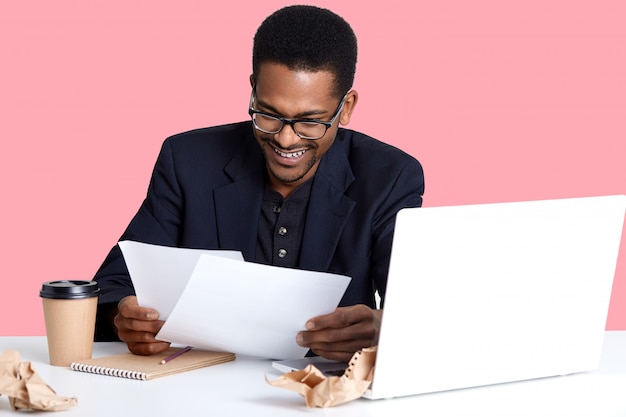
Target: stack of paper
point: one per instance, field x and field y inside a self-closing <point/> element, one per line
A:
<point x="215" y="300"/>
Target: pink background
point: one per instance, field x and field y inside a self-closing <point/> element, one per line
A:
<point x="499" y="100"/>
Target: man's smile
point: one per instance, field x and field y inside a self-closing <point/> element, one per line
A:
<point x="290" y="154"/>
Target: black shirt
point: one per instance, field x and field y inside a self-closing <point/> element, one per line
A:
<point x="281" y="226"/>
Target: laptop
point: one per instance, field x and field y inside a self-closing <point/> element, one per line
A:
<point x="493" y="293"/>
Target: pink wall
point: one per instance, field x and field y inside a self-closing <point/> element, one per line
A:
<point x="499" y="102"/>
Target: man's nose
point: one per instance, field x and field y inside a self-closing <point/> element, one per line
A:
<point x="287" y="137"/>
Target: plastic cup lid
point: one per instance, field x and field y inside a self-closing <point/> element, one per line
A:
<point x="69" y="289"/>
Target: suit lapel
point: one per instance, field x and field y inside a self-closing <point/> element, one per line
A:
<point x="238" y="204"/>
<point x="328" y="211"/>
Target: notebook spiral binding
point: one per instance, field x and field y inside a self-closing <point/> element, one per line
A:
<point x="101" y="370"/>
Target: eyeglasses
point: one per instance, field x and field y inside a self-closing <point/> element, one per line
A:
<point x="305" y="128"/>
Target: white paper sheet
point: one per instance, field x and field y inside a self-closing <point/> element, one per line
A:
<point x="160" y="273"/>
<point x="225" y="304"/>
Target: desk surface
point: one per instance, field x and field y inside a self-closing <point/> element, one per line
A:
<point x="239" y="389"/>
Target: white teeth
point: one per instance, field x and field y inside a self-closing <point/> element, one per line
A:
<point x="290" y="155"/>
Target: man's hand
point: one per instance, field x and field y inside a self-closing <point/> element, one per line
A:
<point x="138" y="326"/>
<point x="340" y="334"/>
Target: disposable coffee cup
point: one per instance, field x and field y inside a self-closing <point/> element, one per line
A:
<point x="69" y="309"/>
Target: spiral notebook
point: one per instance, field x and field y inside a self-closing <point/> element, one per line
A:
<point x="128" y="365"/>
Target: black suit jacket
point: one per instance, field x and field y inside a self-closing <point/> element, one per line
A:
<point x="206" y="192"/>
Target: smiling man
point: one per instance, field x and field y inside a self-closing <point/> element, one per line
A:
<point x="289" y="187"/>
<point x="293" y="154"/>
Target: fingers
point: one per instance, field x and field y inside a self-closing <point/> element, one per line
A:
<point x="334" y="355"/>
<point x="138" y="326"/>
<point x="341" y="317"/>
<point x="146" y="349"/>
<point x="129" y="307"/>
<point x="338" y="344"/>
<point x="339" y="334"/>
<point x="346" y="340"/>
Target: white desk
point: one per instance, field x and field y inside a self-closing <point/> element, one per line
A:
<point x="239" y="389"/>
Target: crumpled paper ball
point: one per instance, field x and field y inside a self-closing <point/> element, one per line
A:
<point x="321" y="391"/>
<point x="25" y="388"/>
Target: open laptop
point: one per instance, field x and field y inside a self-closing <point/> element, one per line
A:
<point x="493" y="293"/>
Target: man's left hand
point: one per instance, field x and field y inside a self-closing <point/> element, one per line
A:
<point x="340" y="334"/>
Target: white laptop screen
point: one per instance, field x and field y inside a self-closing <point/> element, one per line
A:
<point x="492" y="293"/>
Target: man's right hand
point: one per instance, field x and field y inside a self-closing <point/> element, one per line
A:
<point x="138" y="326"/>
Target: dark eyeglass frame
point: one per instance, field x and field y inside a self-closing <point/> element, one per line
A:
<point x="292" y="122"/>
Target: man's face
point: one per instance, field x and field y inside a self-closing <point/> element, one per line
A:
<point x="282" y="92"/>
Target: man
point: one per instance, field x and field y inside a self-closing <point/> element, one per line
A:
<point x="288" y="188"/>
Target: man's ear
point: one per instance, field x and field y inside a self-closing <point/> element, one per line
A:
<point x="252" y="80"/>
<point x="348" y="107"/>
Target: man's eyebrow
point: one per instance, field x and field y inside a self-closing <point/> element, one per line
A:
<point x="303" y="115"/>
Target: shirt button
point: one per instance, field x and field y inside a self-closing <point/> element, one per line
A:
<point x="282" y="253"/>
<point x="282" y="231"/>
<point x="276" y="209"/>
